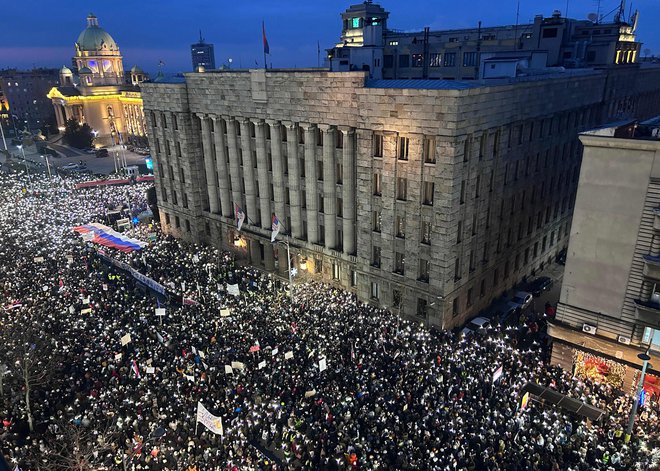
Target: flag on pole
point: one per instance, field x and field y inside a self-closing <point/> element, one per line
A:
<point x="276" y="228"/>
<point x="239" y="215"/>
<point x="135" y="369"/>
<point x="208" y="420"/>
<point x="263" y="31"/>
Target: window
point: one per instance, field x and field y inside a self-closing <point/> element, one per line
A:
<point x="377" y="145"/>
<point x="394" y="43"/>
<point x="377" y="184"/>
<point x="187" y="225"/>
<point x="455" y="308"/>
<point x="421" y="308"/>
<point x="450" y="59"/>
<point x="377" y="220"/>
<point x="471" y="259"/>
<point x="355" y="23"/>
<point x="469" y="297"/>
<point x="185" y="200"/>
<point x="374" y="290"/>
<point x="336" y="271"/>
<point x="375" y="256"/>
<point x="353" y="278"/>
<point x="469" y="59"/>
<point x="550" y="33"/>
<point x="178" y="149"/>
<point x="427" y="196"/>
<point x="340" y="207"/>
<point x="477" y="186"/>
<point x="424" y="266"/>
<point x="429" y="151"/>
<point x="404" y="61"/>
<point x="459" y="232"/>
<point x="320" y="201"/>
<point x="467" y="147"/>
<point x="401" y="227"/>
<point x="339" y="144"/>
<point x="177" y="221"/>
<point x="457" y="269"/>
<point x="319" y="137"/>
<point x="175" y="123"/>
<point x="388" y="61"/>
<point x="404" y="147"/>
<point x="436" y="60"/>
<point x="399" y="263"/>
<point x="167" y="219"/>
<point x="339" y="172"/>
<point x="401" y="189"/>
<point x="418" y="60"/>
<point x="426" y="232"/>
<point x="462" y="191"/>
<point x="397" y="299"/>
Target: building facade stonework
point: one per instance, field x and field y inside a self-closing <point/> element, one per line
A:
<point x="431" y="201"/>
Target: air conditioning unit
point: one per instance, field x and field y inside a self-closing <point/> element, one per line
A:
<point x="589" y="329"/>
<point x="623" y="339"/>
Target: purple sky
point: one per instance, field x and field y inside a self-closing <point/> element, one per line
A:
<point x="150" y="30"/>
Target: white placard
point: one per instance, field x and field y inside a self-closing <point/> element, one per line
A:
<point x="194" y="350"/>
<point x="322" y="365"/>
<point x="233" y="290"/>
<point x="225" y="313"/>
<point x="160" y="311"/>
<point x="275" y="351"/>
<point x="310" y="393"/>
<point x="85" y="300"/>
<point x="202" y="355"/>
<point x="38" y="259"/>
<point x="190" y="378"/>
<point x="72" y="309"/>
<point x="262" y="364"/>
<point x="237" y="365"/>
<point x="228" y="370"/>
<point x="86" y="311"/>
<point x="288" y="355"/>
<point x="125" y="339"/>
<point x="117" y="356"/>
<point x="151" y="370"/>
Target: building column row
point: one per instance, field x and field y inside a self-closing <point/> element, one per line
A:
<point x="348" y="194"/>
<point x="209" y="166"/>
<point x="251" y="209"/>
<point x="234" y="163"/>
<point x="262" y="174"/>
<point x="311" y="192"/>
<point x="221" y="165"/>
<point x="329" y="184"/>
<point x="295" y="207"/>
<point x="278" y="170"/>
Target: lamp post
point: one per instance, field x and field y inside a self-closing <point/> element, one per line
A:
<point x="47" y="165"/>
<point x="27" y="170"/>
<point x="288" y="259"/>
<point x="633" y="412"/>
<point x="2" y="131"/>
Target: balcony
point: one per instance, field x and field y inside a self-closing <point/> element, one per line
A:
<point x="651" y="267"/>
<point x="647" y="312"/>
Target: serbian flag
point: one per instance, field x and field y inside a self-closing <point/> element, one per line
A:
<point x="135" y="369"/>
<point x="263" y="32"/>
<point x="276" y="228"/>
<point x="239" y="215"/>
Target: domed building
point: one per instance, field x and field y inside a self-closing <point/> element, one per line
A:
<point x="100" y="94"/>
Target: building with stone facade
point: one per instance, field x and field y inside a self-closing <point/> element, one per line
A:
<point x="431" y="197"/>
<point x="609" y="309"/>
<point x="367" y="43"/>
<point x="99" y="94"/>
<point x="26" y="107"/>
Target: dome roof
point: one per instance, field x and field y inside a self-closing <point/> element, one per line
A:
<point x="65" y="70"/>
<point x="95" y="39"/>
<point x="85" y="70"/>
<point x="136" y="70"/>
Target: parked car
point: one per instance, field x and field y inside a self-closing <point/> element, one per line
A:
<point x="100" y="153"/>
<point x="539" y="285"/>
<point x="503" y="312"/>
<point x="71" y="166"/>
<point x="561" y="257"/>
<point x="89" y="150"/>
<point x="478" y="325"/>
<point x="521" y="299"/>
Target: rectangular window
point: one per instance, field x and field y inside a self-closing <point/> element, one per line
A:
<point x="187" y="225"/>
<point x="319" y="170"/>
<point x="482" y="289"/>
<point x="457" y="269"/>
<point x="177" y="221"/>
<point x="336" y="272"/>
<point x="469" y="59"/>
<point x="424" y="270"/>
<point x="377" y="220"/>
<point x="377" y="144"/>
<point x="459" y="232"/>
<point x="469" y="298"/>
<point x="426" y="233"/>
<point x="427" y="197"/>
<point x="435" y="60"/>
<point x="404" y="148"/>
<point x="340" y="207"/>
<point x="421" y="308"/>
<point x="353" y="278"/>
<point x="474" y="224"/>
<point x="462" y="191"/>
<point x="450" y="59"/>
<point x="418" y="60"/>
<point x="339" y="144"/>
<point x="477" y="187"/>
<point x="167" y="219"/>
<point x="467" y="147"/>
<point x="472" y="257"/>
<point x="388" y="61"/>
<point x="401" y="227"/>
<point x="375" y="258"/>
<point x="404" y="61"/>
<point x="455" y="307"/>
<point x="374" y="290"/>
<point x="185" y="200"/>
<point x="399" y="263"/>
<point x="377" y="184"/>
<point x="401" y="189"/>
<point x="429" y="151"/>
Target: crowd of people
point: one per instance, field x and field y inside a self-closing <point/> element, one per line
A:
<point x="94" y="379"/>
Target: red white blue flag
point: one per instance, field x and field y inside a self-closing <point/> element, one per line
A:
<point x="263" y="32"/>
<point x="239" y="215"/>
<point x="276" y="228"/>
<point x="135" y="369"/>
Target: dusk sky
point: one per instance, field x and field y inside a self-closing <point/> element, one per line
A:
<point x="42" y="33"/>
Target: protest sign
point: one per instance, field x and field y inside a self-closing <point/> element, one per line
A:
<point x="125" y="339"/>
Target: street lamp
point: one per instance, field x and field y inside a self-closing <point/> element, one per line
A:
<point x="645" y="359"/>
<point x="47" y="165"/>
<point x="288" y="259"/>
<point x="27" y="170"/>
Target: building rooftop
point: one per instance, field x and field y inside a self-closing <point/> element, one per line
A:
<point x="630" y="129"/>
<point x="424" y="84"/>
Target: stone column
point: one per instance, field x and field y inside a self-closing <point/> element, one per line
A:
<point x="311" y="190"/>
<point x="349" y="196"/>
<point x="269" y="256"/>
<point x="329" y="183"/>
<point x="262" y="174"/>
<point x="221" y="165"/>
<point x="209" y="167"/>
<point x="58" y="115"/>
<point x="294" y="180"/>
<point x="251" y="210"/>
<point x="278" y="171"/>
<point x="234" y="164"/>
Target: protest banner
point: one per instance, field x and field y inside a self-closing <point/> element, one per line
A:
<point x="262" y="364"/>
<point x="228" y="369"/>
<point x="288" y="355"/>
<point x="322" y="365"/>
<point x="233" y="290"/>
<point x="225" y="312"/>
<point x="125" y="339"/>
<point x="498" y="373"/>
<point x="208" y="420"/>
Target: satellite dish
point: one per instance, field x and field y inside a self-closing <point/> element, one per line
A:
<point x="593" y="17"/>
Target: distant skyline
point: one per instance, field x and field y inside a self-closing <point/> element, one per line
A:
<point x="149" y="31"/>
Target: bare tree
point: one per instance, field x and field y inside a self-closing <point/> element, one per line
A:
<point x="80" y="448"/>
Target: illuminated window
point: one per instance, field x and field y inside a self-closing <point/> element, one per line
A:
<point x="404" y="61"/>
<point x="394" y="43"/>
<point x="469" y="59"/>
<point x="418" y="60"/>
<point x="93" y="65"/>
<point x="450" y="59"/>
<point x="436" y="60"/>
<point x="355" y="22"/>
<point x="107" y="66"/>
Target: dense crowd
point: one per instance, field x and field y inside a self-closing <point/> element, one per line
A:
<point x="324" y="383"/>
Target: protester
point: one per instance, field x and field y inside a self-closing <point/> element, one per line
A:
<point x="325" y="383"/>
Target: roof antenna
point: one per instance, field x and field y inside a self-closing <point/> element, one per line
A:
<point x="201" y="39"/>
